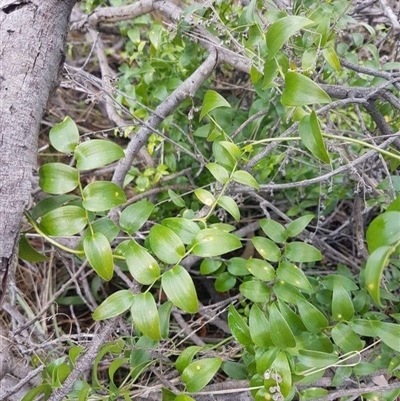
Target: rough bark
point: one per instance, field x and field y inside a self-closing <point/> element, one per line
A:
<point x="32" y="40"/>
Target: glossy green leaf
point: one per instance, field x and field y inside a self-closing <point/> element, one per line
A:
<point x="100" y="196"/>
<point x="179" y="288"/>
<point x="342" y="305"/>
<point x="213" y="242"/>
<point x="281" y="333"/>
<point x="297" y="226"/>
<point x="224" y="282"/>
<point x="99" y="254"/>
<point x="255" y="290"/>
<point x="141" y="264"/>
<point x="114" y="305"/>
<point x="345" y="338"/>
<point x="64" y="136"/>
<point x="317" y="359"/>
<point x="145" y="315"/>
<point x="165" y="244"/>
<point x="260" y="329"/>
<point x="290" y="273"/>
<point x="376" y="262"/>
<point x="280" y="32"/>
<point x="245" y="178"/>
<point x="267" y="249"/>
<point x="237" y="266"/>
<point x="389" y="333"/>
<point x="384" y="230"/>
<point x="345" y="282"/>
<point x="209" y="266"/>
<point x="198" y="374"/>
<point x="219" y="172"/>
<point x="204" y="196"/>
<point x="230" y="206"/>
<point x="97" y="153"/>
<point x="260" y="269"/>
<point x="234" y="151"/>
<point x="223" y="156"/>
<point x="332" y="58"/>
<point x="302" y="252"/>
<point x="301" y="91"/>
<point x="58" y="178"/>
<point x="275" y="231"/>
<point x="27" y="252"/>
<point x="105" y="226"/>
<point x="185" y="229"/>
<point x="52" y="202"/>
<point x="186" y="357"/>
<point x="311" y="137"/>
<point x="164" y="313"/>
<point x="212" y="100"/>
<point x="65" y="220"/>
<point x="286" y="292"/>
<point x="239" y="328"/>
<point x="312" y="317"/>
<point x="134" y="216"/>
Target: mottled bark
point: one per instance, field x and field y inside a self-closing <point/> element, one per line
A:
<point x="32" y="40"/>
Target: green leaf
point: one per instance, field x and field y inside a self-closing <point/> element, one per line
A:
<point x="293" y="275"/>
<point x="165" y="244"/>
<point x="240" y="330"/>
<point x="65" y="220"/>
<point x="260" y="269"/>
<point x="237" y="267"/>
<point x="134" y="216"/>
<point x="301" y="91"/>
<point x="185" y="229"/>
<point x="376" y="262"/>
<point x="164" y="313"/>
<point x="186" y="357"/>
<point x="99" y="254"/>
<point x="260" y="329"/>
<point x="389" y="333"/>
<point x="267" y="249"/>
<point x="255" y="290"/>
<point x="297" y="226"/>
<point x="224" y="282"/>
<point x="48" y="204"/>
<point x="234" y="151"/>
<point x="219" y="172"/>
<point x="311" y="316"/>
<point x="213" y="242"/>
<point x="212" y="100"/>
<point x="291" y="318"/>
<point x="209" y="266"/>
<point x="97" y="153"/>
<point x="230" y="206"/>
<point x="176" y="199"/>
<point x="64" y="136"/>
<point x="302" y="252"/>
<point x="383" y="230"/>
<point x="198" y="374"/>
<point x="145" y="315"/>
<point x="105" y="226"/>
<point x="274" y="230"/>
<point x="331" y="57"/>
<point x="281" y="333"/>
<point x="100" y="196"/>
<point x="204" y="196"/>
<point x="311" y="137"/>
<point x="245" y="178"/>
<point x="114" y="305"/>
<point x="314" y="392"/>
<point x="316" y="359"/>
<point x="58" y="178"/>
<point x="141" y="264"/>
<point x="286" y="292"/>
<point x="342" y="305"/>
<point x="282" y="367"/>
<point x="235" y="370"/>
<point x="27" y="252"/>
<point x="363" y="327"/>
<point x="179" y="288"/>
<point x="345" y="338"/>
<point x="280" y="32"/>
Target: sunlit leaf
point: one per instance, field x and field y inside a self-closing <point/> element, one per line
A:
<point x="332" y="58"/>
<point x="230" y="206"/>
<point x="280" y="32"/>
<point x="219" y="172"/>
<point x="186" y="357"/>
<point x="145" y="315"/>
<point x="102" y="195"/>
<point x="261" y="269"/>
<point x="383" y="230"/>
<point x="65" y="220"/>
<point x="58" y="178"/>
<point x="114" y="305"/>
<point x="235" y="152"/>
<point x="312" y="317"/>
<point x="301" y="91"/>
<point x="165" y="244"/>
<point x="260" y="329"/>
<point x="267" y="249"/>
<point x="302" y="252"/>
<point x="245" y="178"/>
<point x="97" y="153"/>
<point x="316" y="359"/>
<point x="342" y="304"/>
<point x="64" y="136"/>
<point x="345" y="338"/>
<point x="204" y="196"/>
<point x="185" y="229"/>
<point x="297" y="226"/>
<point x="134" y="216"/>
<point x="275" y="231"/>
<point x="389" y="333"/>
<point x="213" y="242"/>
<point x="199" y="373"/>
<point x="52" y="202"/>
<point x="99" y="254"/>
<point x="293" y="275"/>
<point x="212" y="100"/>
<point x="179" y="288"/>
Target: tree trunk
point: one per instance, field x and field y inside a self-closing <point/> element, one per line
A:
<point x="32" y="40"/>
